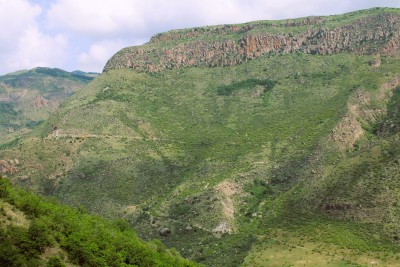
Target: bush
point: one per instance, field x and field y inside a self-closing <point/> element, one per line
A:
<point x="54" y="262"/>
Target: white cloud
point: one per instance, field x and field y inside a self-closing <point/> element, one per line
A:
<point x="95" y="18"/>
<point x="37" y="49"/>
<point x="138" y="18"/>
<point x="22" y="44"/>
<point x="97" y="56"/>
<point x="15" y="17"/>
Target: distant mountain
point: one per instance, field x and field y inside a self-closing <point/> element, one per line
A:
<point x="28" y="97"/>
<point x="270" y="143"/>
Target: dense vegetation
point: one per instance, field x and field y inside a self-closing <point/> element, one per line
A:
<point x="55" y="234"/>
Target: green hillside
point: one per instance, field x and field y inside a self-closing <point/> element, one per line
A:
<point x="289" y="158"/>
<point x="39" y="232"/>
<point x="28" y="97"/>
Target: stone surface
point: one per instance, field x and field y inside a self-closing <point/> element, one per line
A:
<point x="164" y="231"/>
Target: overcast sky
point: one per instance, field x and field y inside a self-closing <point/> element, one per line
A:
<point x="84" y="34"/>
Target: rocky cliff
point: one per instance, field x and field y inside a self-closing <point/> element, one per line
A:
<point x="230" y="45"/>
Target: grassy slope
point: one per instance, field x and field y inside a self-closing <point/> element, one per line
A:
<point x="18" y="91"/>
<point x="158" y="145"/>
<point x="39" y="232"/>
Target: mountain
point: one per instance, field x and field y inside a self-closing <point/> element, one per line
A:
<point x="39" y="232"/>
<point x="270" y="143"/>
<point x="28" y="97"/>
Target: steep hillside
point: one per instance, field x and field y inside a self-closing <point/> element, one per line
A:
<point x="29" y="97"/>
<point x="39" y="232"/>
<point x="290" y="158"/>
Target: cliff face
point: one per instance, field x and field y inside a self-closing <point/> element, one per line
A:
<point x="231" y="45"/>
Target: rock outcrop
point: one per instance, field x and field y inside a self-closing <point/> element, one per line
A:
<point x="8" y="166"/>
<point x="40" y="101"/>
<point x="230" y="45"/>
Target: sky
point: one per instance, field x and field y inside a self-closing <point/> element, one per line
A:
<point x="84" y="34"/>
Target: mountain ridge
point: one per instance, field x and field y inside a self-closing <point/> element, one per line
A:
<point x="240" y="43"/>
